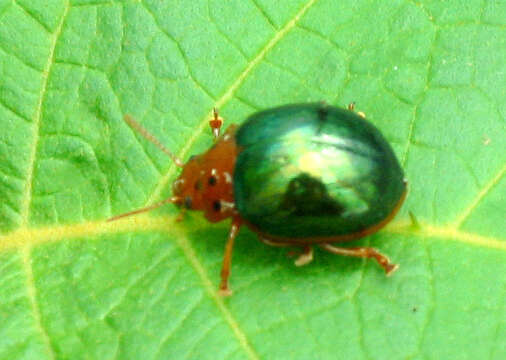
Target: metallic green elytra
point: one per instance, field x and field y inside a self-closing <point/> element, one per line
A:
<point x="312" y="171"/>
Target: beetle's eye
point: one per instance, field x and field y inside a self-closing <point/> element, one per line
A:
<point x="217" y="205"/>
<point x="212" y="180"/>
<point x="188" y="202"/>
<point x="192" y="157"/>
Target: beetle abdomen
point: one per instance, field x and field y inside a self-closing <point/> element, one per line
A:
<point x="310" y="171"/>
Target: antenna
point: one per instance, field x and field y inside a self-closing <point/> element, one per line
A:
<point x="151" y="138"/>
<point x="171" y="200"/>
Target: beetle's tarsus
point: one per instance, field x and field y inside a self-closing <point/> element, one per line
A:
<point x="225" y="292"/>
<point x="391" y="269"/>
<point x="305" y="257"/>
<point x="351" y="107"/>
<point x="364" y="252"/>
<point x="216" y="122"/>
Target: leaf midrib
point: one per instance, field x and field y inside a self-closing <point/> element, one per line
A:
<point x="20" y="238"/>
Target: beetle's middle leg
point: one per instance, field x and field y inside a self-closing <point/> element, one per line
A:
<point x="305" y="257"/>
<point x="363" y="252"/>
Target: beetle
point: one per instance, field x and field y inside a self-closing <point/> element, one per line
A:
<point x="296" y="175"/>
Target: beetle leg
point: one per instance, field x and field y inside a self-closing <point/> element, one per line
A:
<point x="215" y="124"/>
<point x="271" y="243"/>
<point x="305" y="257"/>
<point x="351" y="107"/>
<point x="227" y="258"/>
<point x="363" y="252"/>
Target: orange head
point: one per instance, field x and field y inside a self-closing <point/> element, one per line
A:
<point x="205" y="183"/>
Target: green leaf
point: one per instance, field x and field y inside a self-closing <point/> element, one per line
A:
<point x="430" y="74"/>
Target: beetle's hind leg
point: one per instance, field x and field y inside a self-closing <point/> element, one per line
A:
<point x="351" y="107"/>
<point x="363" y="252"/>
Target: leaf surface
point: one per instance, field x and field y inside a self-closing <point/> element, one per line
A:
<point x="430" y="74"/>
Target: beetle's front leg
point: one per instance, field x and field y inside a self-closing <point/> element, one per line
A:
<point x="216" y="122"/>
<point x="363" y="252"/>
<point x="227" y="257"/>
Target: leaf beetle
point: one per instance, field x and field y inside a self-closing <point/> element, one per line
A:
<point x="296" y="175"/>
